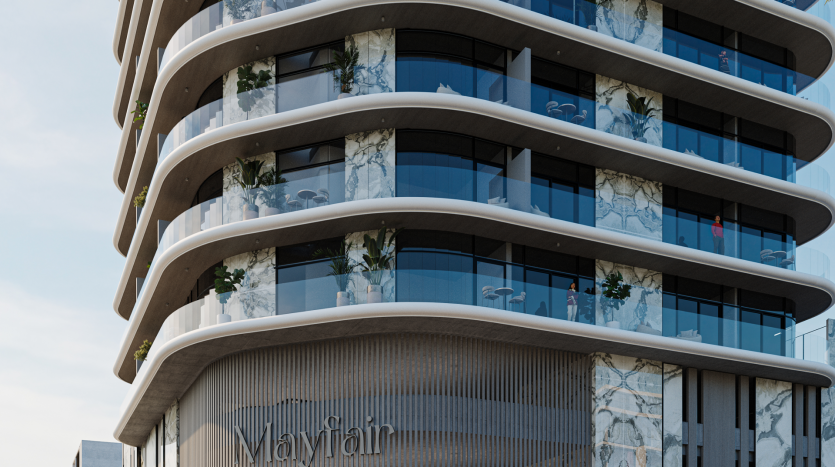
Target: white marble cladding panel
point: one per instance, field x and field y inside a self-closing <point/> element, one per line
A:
<point x="172" y="436"/>
<point x="370" y="165"/>
<point x="611" y="105"/>
<point x="233" y="194"/>
<point x="642" y="310"/>
<point x="673" y="415"/>
<point x="264" y="98"/>
<point x="627" y="411"/>
<point x="637" y="21"/>
<point x="236" y="11"/>
<point x="255" y="297"/>
<point x="774" y="423"/>
<point x="628" y="204"/>
<point x="830" y="342"/>
<point x="827" y="427"/>
<point x="376" y="70"/>
<point x="358" y="288"/>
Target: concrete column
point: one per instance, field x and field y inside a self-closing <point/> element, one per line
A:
<point x="519" y="80"/>
<point x="692" y="417"/>
<point x="742" y="413"/>
<point x="519" y="180"/>
<point x="718" y="401"/>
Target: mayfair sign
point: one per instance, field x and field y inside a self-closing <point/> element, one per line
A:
<point x="356" y="441"/>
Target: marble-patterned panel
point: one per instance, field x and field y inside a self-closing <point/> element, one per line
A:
<point x="642" y="311"/>
<point x="358" y="288"/>
<point x="774" y="423"/>
<point x="376" y="70"/>
<point x="827" y="427"/>
<point x="149" y="451"/>
<point x="637" y="21"/>
<point x="237" y="11"/>
<point x="627" y="411"/>
<point x="628" y="204"/>
<point x="673" y="415"/>
<point x="263" y="98"/>
<point x="172" y="436"/>
<point x="255" y="297"/>
<point x="233" y="194"/>
<point x="612" y="106"/>
<point x="830" y="342"/>
<point x="370" y="165"/>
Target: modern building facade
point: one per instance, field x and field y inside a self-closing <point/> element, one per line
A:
<point x="519" y="161"/>
<point x="101" y="454"/>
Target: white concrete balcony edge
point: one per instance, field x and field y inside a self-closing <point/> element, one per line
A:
<point x="235" y="232"/>
<point x="514" y="322"/>
<point x="494" y="7"/>
<point x="465" y="105"/>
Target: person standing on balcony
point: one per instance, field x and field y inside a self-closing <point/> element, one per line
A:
<point x="723" y="62"/>
<point x="718" y="236"/>
<point x="572" y="295"/>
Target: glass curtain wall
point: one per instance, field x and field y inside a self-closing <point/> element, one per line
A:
<point x="727" y="316"/>
<point x="562" y="188"/>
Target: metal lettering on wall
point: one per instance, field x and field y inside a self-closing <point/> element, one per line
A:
<point x="355" y="441"/>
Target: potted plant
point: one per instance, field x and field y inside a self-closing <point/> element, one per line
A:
<point x="139" y="200"/>
<point x="249" y="180"/>
<point x="140" y="113"/>
<point x="640" y="115"/>
<point x="272" y="191"/>
<point x="341" y="268"/>
<point x="225" y="284"/>
<point x="378" y="259"/>
<point x="238" y="9"/>
<point x="615" y="293"/>
<point x="250" y="85"/>
<point x="142" y="354"/>
<point x="343" y="67"/>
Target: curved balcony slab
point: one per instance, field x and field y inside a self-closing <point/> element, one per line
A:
<point x="120" y="35"/>
<point x="175" y="270"/>
<point x="169" y="195"/>
<point x="180" y="361"/>
<point x="202" y="61"/>
<point x="812" y="39"/>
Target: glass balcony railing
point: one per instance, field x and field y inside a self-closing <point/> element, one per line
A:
<point x="220" y="15"/>
<point x="422" y="75"/>
<point x="307" y="288"/>
<point x="652" y="35"/>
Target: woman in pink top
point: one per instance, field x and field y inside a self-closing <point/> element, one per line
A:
<point x="571" y="295"/>
<point x="718" y="236"/>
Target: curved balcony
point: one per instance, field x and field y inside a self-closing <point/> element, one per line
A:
<point x="308" y="89"/>
<point x="508" y="25"/>
<point x="725" y="325"/>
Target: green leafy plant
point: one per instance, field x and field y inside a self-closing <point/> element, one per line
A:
<point x="249" y="180"/>
<point x="341" y="264"/>
<point x="640" y="116"/>
<point x="227" y="282"/>
<point x="272" y="188"/>
<point x="615" y="292"/>
<point x="238" y="9"/>
<point x="142" y="353"/>
<point x="378" y="256"/>
<point x="250" y="85"/>
<point x="140" y="113"/>
<point x="139" y="200"/>
<point x="343" y="67"/>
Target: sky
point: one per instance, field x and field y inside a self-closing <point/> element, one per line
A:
<point x="58" y="142"/>
<point x="59" y="334"/>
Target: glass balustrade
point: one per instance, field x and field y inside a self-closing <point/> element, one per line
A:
<point x="428" y="75"/>
<point x="220" y="15"/>
<point x="652" y="35"/>
<point x="308" y="288"/>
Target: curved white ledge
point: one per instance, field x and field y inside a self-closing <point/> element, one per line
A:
<point x="125" y="65"/>
<point x="411" y="106"/>
<point x="120" y="26"/>
<point x="194" y="254"/>
<point x="179" y="361"/>
<point x="523" y="19"/>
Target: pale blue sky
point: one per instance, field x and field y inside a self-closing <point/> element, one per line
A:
<point x="58" y="142"/>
